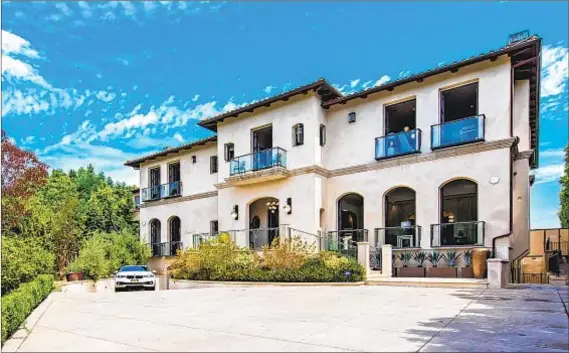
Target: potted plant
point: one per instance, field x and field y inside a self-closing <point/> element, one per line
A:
<point x="406" y="271"/>
<point x="466" y="271"/>
<point x="74" y="271"/>
<point x="451" y="259"/>
<point x="435" y="258"/>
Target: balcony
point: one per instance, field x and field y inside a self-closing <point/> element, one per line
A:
<point x="158" y="192"/>
<point x="399" y="237"/>
<point x="458" y="132"/>
<point x="269" y="164"/>
<point x="458" y="234"/>
<point x="165" y="249"/>
<point x="399" y="144"/>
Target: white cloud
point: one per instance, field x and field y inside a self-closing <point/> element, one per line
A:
<point x="14" y="69"/>
<point x="64" y="8"/>
<point x="552" y="153"/>
<point x="109" y="15"/>
<point x="367" y="84"/>
<point x="13" y="44"/>
<point x="129" y="9"/>
<point x="105" y="96"/>
<point x="554" y="70"/>
<point x="354" y="83"/>
<point x="196" y="97"/>
<point x="268" y="89"/>
<point x="29" y="140"/>
<point x="123" y="61"/>
<point x="404" y="73"/>
<point x="383" y="79"/>
<point x="135" y="87"/>
<point x="548" y="174"/>
<point x="178" y="137"/>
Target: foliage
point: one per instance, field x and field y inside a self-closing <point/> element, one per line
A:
<point x="405" y="257"/>
<point x="109" y="209"/>
<point x="564" y="193"/>
<point x="451" y="257"/>
<point x="104" y="253"/>
<point x="420" y="257"/>
<point x="435" y="257"/>
<point x="468" y="258"/>
<point x="286" y="261"/>
<point x="17" y="305"/>
<point x="22" y="174"/>
<point x="22" y="261"/>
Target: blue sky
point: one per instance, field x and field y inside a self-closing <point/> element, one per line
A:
<point x="103" y="82"/>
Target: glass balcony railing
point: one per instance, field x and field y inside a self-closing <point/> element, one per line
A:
<point x="265" y="159"/>
<point x="458" y="132"/>
<point x="158" y="192"/>
<point x="457" y="233"/>
<point x="398" y="144"/>
<point x="399" y="237"/>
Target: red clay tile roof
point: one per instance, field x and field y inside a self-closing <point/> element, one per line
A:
<point x="135" y="163"/>
<point x="323" y="88"/>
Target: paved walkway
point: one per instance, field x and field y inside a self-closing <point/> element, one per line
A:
<point x="305" y="319"/>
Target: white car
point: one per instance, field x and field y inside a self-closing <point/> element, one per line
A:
<point x="135" y="276"/>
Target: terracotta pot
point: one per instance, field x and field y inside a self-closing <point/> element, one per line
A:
<point x="466" y="272"/>
<point x="479" y="257"/>
<point x="411" y="272"/>
<point x="445" y="272"/>
<point x="74" y="276"/>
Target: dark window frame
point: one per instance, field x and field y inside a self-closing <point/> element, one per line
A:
<point x="461" y="85"/>
<point x="391" y="104"/>
<point x="213" y="164"/>
<point x="322" y="135"/>
<point x="298" y="138"/>
<point x="229" y="151"/>
<point x="214" y="226"/>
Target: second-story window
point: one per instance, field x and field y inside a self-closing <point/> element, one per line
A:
<point x="322" y="135"/>
<point x="229" y="151"/>
<point x="174" y="187"/>
<point x="458" y="103"/>
<point x="213" y="164"/>
<point x="154" y="183"/>
<point x="298" y="135"/>
<point x="213" y="227"/>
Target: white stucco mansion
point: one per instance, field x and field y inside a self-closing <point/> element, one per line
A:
<point x="438" y="159"/>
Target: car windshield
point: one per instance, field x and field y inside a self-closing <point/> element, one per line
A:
<point x="133" y="268"/>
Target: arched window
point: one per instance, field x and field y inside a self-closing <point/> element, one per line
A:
<point x="155" y="238"/>
<point x="351" y="216"/>
<point x="175" y="235"/>
<point x="229" y="151"/>
<point x="298" y="135"/>
<point x="459" y="214"/>
<point x="400" y="230"/>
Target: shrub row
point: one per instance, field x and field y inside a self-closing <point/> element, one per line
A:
<point x="287" y="261"/>
<point x="17" y="305"/>
<point x="22" y="261"/>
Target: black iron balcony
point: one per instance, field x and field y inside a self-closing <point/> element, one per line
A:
<point x="165" y="249"/>
<point x="458" y="233"/>
<point x="398" y="144"/>
<point x="458" y="132"/>
<point x="265" y="159"/>
<point x="158" y="192"/>
<point x="399" y="237"/>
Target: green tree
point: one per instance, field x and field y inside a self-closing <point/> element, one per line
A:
<point x="564" y="194"/>
<point x="109" y="210"/>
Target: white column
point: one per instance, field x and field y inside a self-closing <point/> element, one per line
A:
<point x="363" y="255"/>
<point x="497" y="273"/>
<point x="386" y="256"/>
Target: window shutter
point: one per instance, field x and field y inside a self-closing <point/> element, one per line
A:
<point x="229" y="152"/>
<point x="298" y="134"/>
<point x="322" y="135"/>
<point x="213" y="164"/>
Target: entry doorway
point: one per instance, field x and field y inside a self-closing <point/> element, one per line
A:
<point x="263" y="222"/>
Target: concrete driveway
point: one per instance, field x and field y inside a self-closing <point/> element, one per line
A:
<point x="228" y="318"/>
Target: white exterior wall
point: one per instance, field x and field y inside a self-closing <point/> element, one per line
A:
<point x="196" y="177"/>
<point x="521" y="114"/>
<point x="195" y="217"/>
<point x="426" y="178"/>
<point x="353" y="144"/>
<point x="283" y="116"/>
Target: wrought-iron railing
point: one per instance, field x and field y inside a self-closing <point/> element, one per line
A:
<point x="158" y="192"/>
<point x="399" y="237"/>
<point x="375" y="257"/>
<point x="309" y="238"/>
<point x="399" y="144"/>
<point x="458" y="132"/>
<point x="355" y="234"/>
<point x="345" y="241"/>
<point x="561" y="246"/>
<point x="458" y="233"/>
<point x="262" y="236"/>
<point x="165" y="249"/>
<point x="200" y="238"/>
<point x="269" y="158"/>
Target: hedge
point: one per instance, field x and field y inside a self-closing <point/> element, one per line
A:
<point x="287" y="261"/>
<point x="17" y="305"/>
<point x="23" y="260"/>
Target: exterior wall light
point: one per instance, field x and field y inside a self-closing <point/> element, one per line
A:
<point x="235" y="212"/>
<point x="193" y="159"/>
<point x="352" y="117"/>
<point x="288" y="207"/>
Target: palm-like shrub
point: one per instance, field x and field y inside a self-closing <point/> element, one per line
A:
<point x="451" y="258"/>
<point x="405" y="257"/>
<point x="435" y="257"/>
<point x="420" y="257"/>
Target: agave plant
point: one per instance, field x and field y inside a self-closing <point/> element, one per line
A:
<point x="405" y="257"/>
<point x="420" y="257"/>
<point x="435" y="257"/>
<point x="468" y="258"/>
<point x="451" y="258"/>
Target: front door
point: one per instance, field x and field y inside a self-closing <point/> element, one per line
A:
<point x="273" y="222"/>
